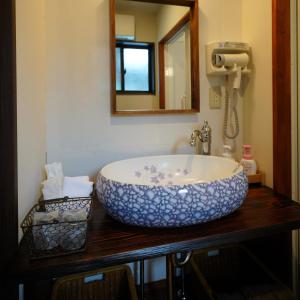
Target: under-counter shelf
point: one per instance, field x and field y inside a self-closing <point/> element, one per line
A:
<point x="233" y="273"/>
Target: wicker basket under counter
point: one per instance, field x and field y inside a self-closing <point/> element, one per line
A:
<point x="58" y="238"/>
<point x="115" y="282"/>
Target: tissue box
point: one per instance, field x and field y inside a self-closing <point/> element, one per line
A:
<point x="56" y="238"/>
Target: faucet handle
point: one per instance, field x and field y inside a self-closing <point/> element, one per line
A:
<point x="205" y="132"/>
<point x="193" y="142"/>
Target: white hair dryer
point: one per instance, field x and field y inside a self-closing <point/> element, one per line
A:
<point x="230" y="59"/>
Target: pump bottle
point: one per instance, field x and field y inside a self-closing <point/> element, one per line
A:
<point x="247" y="161"/>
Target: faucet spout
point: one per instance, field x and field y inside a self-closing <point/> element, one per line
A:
<point x="195" y="141"/>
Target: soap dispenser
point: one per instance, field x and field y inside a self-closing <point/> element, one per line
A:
<point x="247" y="161"/>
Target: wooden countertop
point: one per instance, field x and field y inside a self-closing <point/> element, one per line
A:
<point x="110" y="242"/>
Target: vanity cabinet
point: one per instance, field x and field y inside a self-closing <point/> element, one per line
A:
<point x="109" y="242"/>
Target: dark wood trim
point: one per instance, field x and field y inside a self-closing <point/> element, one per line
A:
<point x="8" y="143"/>
<point x="195" y="69"/>
<point x="171" y="2"/>
<point x="161" y="75"/>
<point x="282" y="119"/>
<point x="135" y="93"/>
<point x="112" y="9"/>
<point x="193" y="17"/>
<point x="282" y="143"/>
<point x="170" y="276"/>
<point x="8" y="132"/>
<point x="155" y="112"/>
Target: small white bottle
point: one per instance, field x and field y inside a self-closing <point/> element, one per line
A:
<point x="227" y="151"/>
<point x="247" y="161"/>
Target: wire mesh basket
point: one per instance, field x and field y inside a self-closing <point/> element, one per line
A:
<point x="59" y="237"/>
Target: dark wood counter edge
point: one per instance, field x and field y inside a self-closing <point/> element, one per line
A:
<point x="152" y="252"/>
<point x="81" y="263"/>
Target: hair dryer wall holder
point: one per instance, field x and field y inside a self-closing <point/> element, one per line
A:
<point x="226" y="48"/>
<point x="227" y="71"/>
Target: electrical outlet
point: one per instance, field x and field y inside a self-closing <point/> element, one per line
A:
<point x="214" y="99"/>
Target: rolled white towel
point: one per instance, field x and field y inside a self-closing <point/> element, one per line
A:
<point x="46" y="235"/>
<point x="76" y="187"/>
<point x="54" y="170"/>
<point x="74" y="234"/>
<point x="74" y="215"/>
<point x="40" y="218"/>
<point x="53" y="188"/>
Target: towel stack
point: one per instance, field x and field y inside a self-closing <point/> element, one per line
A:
<point x="57" y="186"/>
<point x="80" y="186"/>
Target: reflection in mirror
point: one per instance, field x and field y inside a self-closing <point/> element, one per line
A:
<point x="175" y="62"/>
<point x="135" y="67"/>
<point x="152" y="58"/>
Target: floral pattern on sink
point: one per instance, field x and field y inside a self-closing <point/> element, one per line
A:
<point x="156" y="176"/>
<point x="171" y="205"/>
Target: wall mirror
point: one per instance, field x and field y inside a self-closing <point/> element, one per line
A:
<point x="154" y="56"/>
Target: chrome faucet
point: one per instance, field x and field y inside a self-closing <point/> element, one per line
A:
<point x="201" y="140"/>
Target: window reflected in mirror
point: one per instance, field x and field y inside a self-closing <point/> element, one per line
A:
<point x="135" y="68"/>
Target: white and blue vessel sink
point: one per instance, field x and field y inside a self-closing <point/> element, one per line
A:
<point x="171" y="190"/>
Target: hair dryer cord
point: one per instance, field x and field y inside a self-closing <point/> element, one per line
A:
<point x="235" y="130"/>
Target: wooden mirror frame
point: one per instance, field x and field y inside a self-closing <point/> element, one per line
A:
<point x="195" y="80"/>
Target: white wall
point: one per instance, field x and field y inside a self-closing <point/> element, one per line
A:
<point x="218" y="24"/>
<point x="258" y="129"/>
<point x="80" y="129"/>
<point x="30" y="101"/>
<point x="81" y="133"/>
